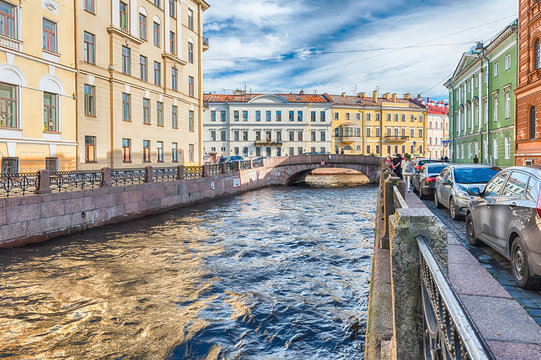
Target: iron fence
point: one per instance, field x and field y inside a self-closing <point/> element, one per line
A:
<point x="166" y="174"/>
<point x="193" y="172"/>
<point x="127" y="177"/>
<point x="257" y="163"/>
<point x="214" y="170"/>
<point x="245" y="165"/>
<point x="231" y="167"/>
<point x="61" y="181"/>
<point x="18" y="184"/>
<point x="448" y="330"/>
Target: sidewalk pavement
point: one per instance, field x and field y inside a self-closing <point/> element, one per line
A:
<point x="508" y="329"/>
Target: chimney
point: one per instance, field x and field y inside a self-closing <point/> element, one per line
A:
<point x="239" y="92"/>
<point x="361" y="95"/>
<point x="375" y="95"/>
<point x="479" y="46"/>
<point x="387" y="96"/>
<point x="302" y="92"/>
<point x="407" y="96"/>
<point x="344" y="94"/>
<point x="394" y="97"/>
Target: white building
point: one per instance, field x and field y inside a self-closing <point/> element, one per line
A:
<point x="437" y="128"/>
<point x="253" y="125"/>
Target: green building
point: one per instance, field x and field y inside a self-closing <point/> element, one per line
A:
<point x="482" y="102"/>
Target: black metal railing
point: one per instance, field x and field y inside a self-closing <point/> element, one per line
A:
<point x="257" y="163"/>
<point x="18" y="184"/>
<point x="127" y="177"/>
<point x="165" y="174"/>
<point x="448" y="330"/>
<point x="245" y="165"/>
<point x="214" y="170"/>
<point x="62" y="181"/>
<point x="231" y="167"/>
<point x="193" y="172"/>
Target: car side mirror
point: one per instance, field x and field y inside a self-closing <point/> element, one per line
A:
<point x="474" y="192"/>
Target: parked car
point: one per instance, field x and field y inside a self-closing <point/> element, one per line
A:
<point x="419" y="162"/>
<point x="425" y="180"/>
<point x="453" y="183"/>
<point x="506" y="215"/>
<point x="225" y="159"/>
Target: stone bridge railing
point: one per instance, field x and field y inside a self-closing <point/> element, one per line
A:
<point x="414" y="312"/>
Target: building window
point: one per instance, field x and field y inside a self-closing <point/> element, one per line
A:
<point x="123" y="11"/>
<point x="368" y="132"/>
<point x="507" y="61"/>
<point x="10" y="165"/>
<point x="322" y="135"/>
<point x="212" y="135"/>
<point x="142" y="26"/>
<point x="268" y="115"/>
<point x="313" y="116"/>
<point x="172" y="8"/>
<point x="174" y="117"/>
<point x="257" y="151"/>
<point x="50" y="117"/>
<point x="507" y="105"/>
<point x="299" y="116"/>
<point x="89" y="48"/>
<point x="173" y="43"/>
<point x="191" y="152"/>
<point x="292" y="136"/>
<point x="157" y="73"/>
<point x="236" y="135"/>
<point x="532" y="123"/>
<point x="537" y="54"/>
<point x="174" y="152"/>
<point x="222" y="115"/>
<point x="190" y="19"/>
<point x="90" y="149"/>
<point x="146" y="151"/>
<point x="245" y="135"/>
<point x="157" y="3"/>
<point x="495" y="109"/>
<point x="291" y="116"/>
<point x="174" y="79"/>
<point x="244" y="115"/>
<point x="300" y="150"/>
<point x="126" y="107"/>
<point x="90" y="100"/>
<point x="191" y="126"/>
<point x="495" y="69"/>
<point x="312" y="136"/>
<point x="156" y="34"/>
<point x="143" y="68"/>
<point x="159" y="113"/>
<point x="126" y="60"/>
<point x="191" y="89"/>
<point x="190" y="52"/>
<point x="236" y="115"/>
<point x="8" y="106"/>
<point x="89" y="6"/>
<point x="336" y="116"/>
<point x="507" y="148"/>
<point x="223" y="135"/>
<point x="213" y="116"/>
<point x="146" y="111"/>
<point x="126" y="150"/>
<point x="7" y="14"/>
<point x="159" y="147"/>
<point x="49" y="36"/>
<point x="495" y="149"/>
<point x="420" y="132"/>
<point x="299" y="136"/>
<point x="322" y="116"/>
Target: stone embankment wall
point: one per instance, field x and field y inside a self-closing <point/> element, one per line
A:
<point x="38" y="217"/>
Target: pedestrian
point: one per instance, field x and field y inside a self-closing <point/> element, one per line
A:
<point x="397" y="160"/>
<point x="337" y="151"/>
<point x="407" y="171"/>
<point x="446" y="159"/>
<point x="389" y="163"/>
<point x="475" y="160"/>
<point x="342" y="152"/>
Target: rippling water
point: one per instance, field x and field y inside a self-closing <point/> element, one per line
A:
<point x="279" y="273"/>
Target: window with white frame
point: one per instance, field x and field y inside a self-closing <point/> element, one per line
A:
<point x="8" y="106"/>
<point x="50" y="112"/>
<point x="507" y="105"/>
<point x="49" y="36"/>
<point x="507" y="148"/>
<point x="496" y="69"/>
<point x="495" y="148"/>
<point x="495" y="109"/>
<point x="507" y="61"/>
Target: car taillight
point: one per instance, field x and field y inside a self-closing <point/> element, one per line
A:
<point x="539" y="204"/>
<point x="430" y="179"/>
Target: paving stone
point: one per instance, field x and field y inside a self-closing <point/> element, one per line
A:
<point x="473" y="279"/>
<point x="514" y="351"/>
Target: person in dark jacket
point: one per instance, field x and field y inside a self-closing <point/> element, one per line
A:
<point x="397" y="168"/>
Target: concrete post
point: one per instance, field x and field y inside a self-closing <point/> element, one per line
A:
<point x="251" y="164"/>
<point x="106" y="177"/>
<point x="237" y="165"/>
<point x="404" y="227"/>
<point x="44" y="182"/>
<point x="205" y="170"/>
<point x="148" y="174"/>
<point x="224" y="168"/>
<point x="180" y="172"/>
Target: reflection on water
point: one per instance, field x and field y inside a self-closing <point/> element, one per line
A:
<point x="340" y="180"/>
<point x="274" y="274"/>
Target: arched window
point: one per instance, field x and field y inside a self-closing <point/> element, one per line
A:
<point x="537" y="54"/>
<point x="532" y="122"/>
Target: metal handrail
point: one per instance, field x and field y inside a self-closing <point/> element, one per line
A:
<point x="457" y="331"/>
<point x="399" y="201"/>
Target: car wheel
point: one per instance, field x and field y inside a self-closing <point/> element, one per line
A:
<point x="470" y="231"/>
<point x="519" y="266"/>
<point x="452" y="210"/>
<point x="436" y="200"/>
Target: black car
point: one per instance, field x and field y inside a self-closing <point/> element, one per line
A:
<point x="425" y="180"/>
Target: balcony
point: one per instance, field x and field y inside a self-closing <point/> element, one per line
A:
<point x="10" y="43"/>
<point x="268" y="143"/>
<point x="206" y="44"/>
<point x="397" y="138"/>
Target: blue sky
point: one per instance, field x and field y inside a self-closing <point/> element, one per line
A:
<point x="350" y="46"/>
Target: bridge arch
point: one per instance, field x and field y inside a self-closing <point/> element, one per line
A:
<point x="301" y="175"/>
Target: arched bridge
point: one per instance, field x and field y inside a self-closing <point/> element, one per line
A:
<point x="291" y="169"/>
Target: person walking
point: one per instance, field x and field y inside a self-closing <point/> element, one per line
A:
<point x="397" y="161"/>
<point x="475" y="160"/>
<point x="407" y="171"/>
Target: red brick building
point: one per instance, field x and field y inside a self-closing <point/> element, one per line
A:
<point x="528" y="92"/>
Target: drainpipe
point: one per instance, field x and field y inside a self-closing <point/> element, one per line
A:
<point x="451" y="128"/>
<point x="482" y="53"/>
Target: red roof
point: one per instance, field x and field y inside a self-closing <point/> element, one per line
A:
<point x="291" y="98"/>
<point x="440" y="110"/>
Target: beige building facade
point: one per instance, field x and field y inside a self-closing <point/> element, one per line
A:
<point x="37" y="86"/>
<point x="139" y="82"/>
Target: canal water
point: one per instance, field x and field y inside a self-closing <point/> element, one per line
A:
<point x="281" y="273"/>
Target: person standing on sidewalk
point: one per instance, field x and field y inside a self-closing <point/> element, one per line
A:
<point x="397" y="160"/>
<point x="475" y="160"/>
<point x="407" y="171"/>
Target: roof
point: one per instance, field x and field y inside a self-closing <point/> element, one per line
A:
<point x="432" y="108"/>
<point x="290" y="98"/>
<point x="368" y="101"/>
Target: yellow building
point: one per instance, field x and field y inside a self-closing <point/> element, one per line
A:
<point x="381" y="126"/>
<point x="37" y="86"/>
<point x="139" y="82"/>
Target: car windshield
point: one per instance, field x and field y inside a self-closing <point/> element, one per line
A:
<point x="474" y="175"/>
<point x="435" y="169"/>
<point x="422" y="162"/>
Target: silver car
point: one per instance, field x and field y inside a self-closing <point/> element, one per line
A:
<point x="453" y="183"/>
<point x="506" y="215"/>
